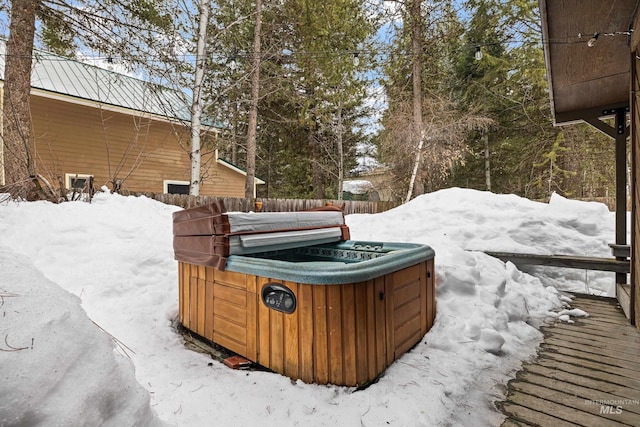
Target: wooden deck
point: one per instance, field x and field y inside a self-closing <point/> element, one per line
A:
<point x="586" y="373"/>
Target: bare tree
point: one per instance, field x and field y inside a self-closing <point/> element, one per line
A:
<point x="253" y="106"/>
<point x="442" y="140"/>
<point x="196" y="109"/>
<point x="417" y="136"/>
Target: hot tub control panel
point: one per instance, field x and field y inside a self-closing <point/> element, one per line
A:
<point x="278" y="297"/>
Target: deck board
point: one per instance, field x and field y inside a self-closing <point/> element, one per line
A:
<point x="586" y="373"/>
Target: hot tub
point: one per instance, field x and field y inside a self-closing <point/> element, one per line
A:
<point x="338" y="312"/>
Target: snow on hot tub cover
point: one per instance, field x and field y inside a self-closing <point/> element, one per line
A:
<point x="207" y="235"/>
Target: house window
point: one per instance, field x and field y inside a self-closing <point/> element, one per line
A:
<point x="176" y="187"/>
<point x="77" y="181"/>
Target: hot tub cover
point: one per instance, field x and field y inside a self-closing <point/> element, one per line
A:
<point x="207" y="235"/>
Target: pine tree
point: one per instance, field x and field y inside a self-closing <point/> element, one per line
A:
<point x="309" y="82"/>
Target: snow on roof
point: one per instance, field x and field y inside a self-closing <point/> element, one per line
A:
<point x="57" y="74"/>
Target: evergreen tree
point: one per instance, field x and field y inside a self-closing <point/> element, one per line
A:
<point x="424" y="131"/>
<point x="508" y="81"/>
<point x="309" y="82"/>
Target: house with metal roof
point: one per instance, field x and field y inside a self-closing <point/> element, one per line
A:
<point x="95" y="125"/>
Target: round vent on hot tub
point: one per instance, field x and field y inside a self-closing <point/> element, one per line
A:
<point x="278" y="297"/>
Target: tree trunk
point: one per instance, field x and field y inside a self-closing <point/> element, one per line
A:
<point x="234" y="134"/>
<point x="18" y="164"/>
<point x="340" y="152"/>
<point x="316" y="171"/>
<point x="416" y="52"/>
<point x="196" y="107"/>
<point x="487" y="161"/>
<point x="253" y="110"/>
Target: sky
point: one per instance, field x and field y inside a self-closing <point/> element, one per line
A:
<point x="88" y="305"/>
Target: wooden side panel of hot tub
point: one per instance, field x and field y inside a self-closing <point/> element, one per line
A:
<point x="339" y="334"/>
<point x="220" y="306"/>
<point x="347" y="334"/>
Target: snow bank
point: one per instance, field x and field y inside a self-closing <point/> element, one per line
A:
<point x="456" y="218"/>
<point x="115" y="256"/>
<point x="58" y="368"/>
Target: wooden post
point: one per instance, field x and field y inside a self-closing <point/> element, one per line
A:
<point x="635" y="196"/>
<point x="621" y="184"/>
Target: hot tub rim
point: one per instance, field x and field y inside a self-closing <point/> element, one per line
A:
<point x="397" y="257"/>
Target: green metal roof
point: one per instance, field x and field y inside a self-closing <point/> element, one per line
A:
<point x="60" y="75"/>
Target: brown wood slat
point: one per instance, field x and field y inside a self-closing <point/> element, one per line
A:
<point x="606" y="311"/>
<point x="181" y="283"/>
<point x="618" y="346"/>
<point x="193" y="304"/>
<point x="233" y="312"/>
<point x="590" y="373"/>
<point x="604" y="352"/>
<point x="617" y="333"/>
<point x="292" y="339"/>
<point x="388" y="295"/>
<point x="320" y="338"/>
<point x="362" y="343"/>
<point x="407" y="312"/>
<point x="231" y="278"/>
<point x="407" y="336"/>
<point x="597" y="358"/>
<point x="602" y="313"/>
<point x="404" y="292"/>
<point x="424" y="303"/>
<point x="606" y="306"/>
<point x="604" y="320"/>
<point x="349" y="348"/>
<point x="587" y="395"/>
<point x="583" y="413"/>
<point x="380" y="318"/>
<point x="276" y="334"/>
<point x="305" y="316"/>
<point x="579" y="368"/>
<point x="372" y="330"/>
<point x="611" y="335"/>
<point x="556" y="410"/>
<point x="595" y="366"/>
<point x="334" y="324"/>
<point x="431" y="293"/>
<point x="521" y="414"/>
<point x="230" y="329"/>
<point x="252" y="319"/>
<point x="609" y="308"/>
<point x="208" y="310"/>
<point x="231" y="295"/>
<point x="621" y="391"/>
<point x="201" y="301"/>
<point x="623" y="328"/>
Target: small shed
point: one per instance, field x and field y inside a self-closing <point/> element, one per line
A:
<point x="592" y="66"/>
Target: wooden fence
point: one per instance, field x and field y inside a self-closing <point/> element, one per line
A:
<point x="236" y="204"/>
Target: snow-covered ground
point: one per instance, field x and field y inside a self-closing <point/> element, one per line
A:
<point x="112" y="259"/>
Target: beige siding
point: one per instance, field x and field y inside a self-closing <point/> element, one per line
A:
<point x="139" y="151"/>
